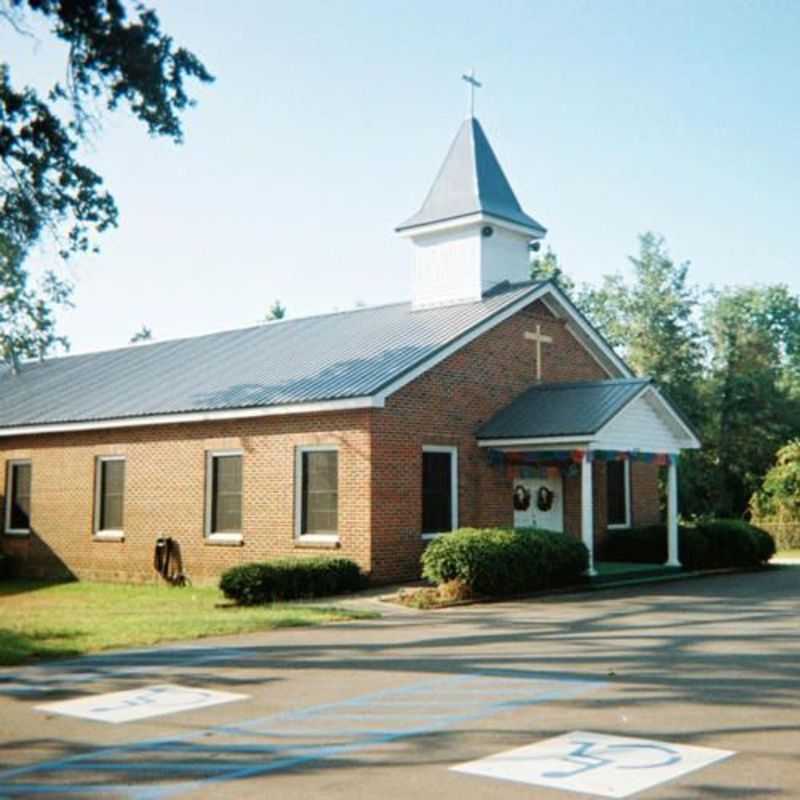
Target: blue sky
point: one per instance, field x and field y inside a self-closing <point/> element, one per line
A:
<point x="328" y="121"/>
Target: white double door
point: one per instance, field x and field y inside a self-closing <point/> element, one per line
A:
<point x="551" y="519"/>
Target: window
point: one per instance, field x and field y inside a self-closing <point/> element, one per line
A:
<point x="618" y="493"/>
<point x="317" y="482"/>
<point x="439" y="489"/>
<point x="18" y="497"/>
<point x="109" y="496"/>
<point x="224" y="498"/>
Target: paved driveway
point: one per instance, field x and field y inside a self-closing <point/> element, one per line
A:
<point x="383" y="709"/>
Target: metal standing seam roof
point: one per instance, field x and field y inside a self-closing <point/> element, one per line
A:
<point x="563" y="409"/>
<point x="471" y="181"/>
<point x="329" y="357"/>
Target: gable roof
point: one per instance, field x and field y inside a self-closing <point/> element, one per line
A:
<point x="471" y="181"/>
<point x="563" y="409"/>
<point x="286" y="364"/>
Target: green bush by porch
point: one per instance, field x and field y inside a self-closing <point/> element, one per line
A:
<point x="712" y="544"/>
<point x="290" y="579"/>
<point x="498" y="561"/>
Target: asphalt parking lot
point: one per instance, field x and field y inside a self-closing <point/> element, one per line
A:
<point x="387" y="708"/>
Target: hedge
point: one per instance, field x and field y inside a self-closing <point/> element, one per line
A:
<point x="710" y="544"/>
<point x="785" y="534"/>
<point x="290" y="579"/>
<point x="498" y="561"/>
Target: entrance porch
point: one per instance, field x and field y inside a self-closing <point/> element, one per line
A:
<point x="605" y="442"/>
<point x="559" y="471"/>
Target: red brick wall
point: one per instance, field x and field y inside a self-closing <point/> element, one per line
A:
<point x="165" y="494"/>
<point x="445" y="406"/>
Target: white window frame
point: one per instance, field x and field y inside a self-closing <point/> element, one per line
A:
<point x="453" y="451"/>
<point x="627" y="490"/>
<point x="228" y="537"/>
<point x="10" y="464"/>
<point x="327" y="536"/>
<point x="105" y="534"/>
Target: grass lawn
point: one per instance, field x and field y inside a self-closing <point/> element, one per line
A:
<point x="46" y="620"/>
<point x="788" y="554"/>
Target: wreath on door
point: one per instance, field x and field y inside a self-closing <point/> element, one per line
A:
<point x="544" y="498"/>
<point x="522" y="498"/>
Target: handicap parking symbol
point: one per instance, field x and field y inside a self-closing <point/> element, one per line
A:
<point x="137" y="704"/>
<point x="595" y="763"/>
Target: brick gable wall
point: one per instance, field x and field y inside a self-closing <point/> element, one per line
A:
<point x="445" y="406"/>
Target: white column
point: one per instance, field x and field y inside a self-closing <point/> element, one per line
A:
<point x="672" y="514"/>
<point x="587" y="510"/>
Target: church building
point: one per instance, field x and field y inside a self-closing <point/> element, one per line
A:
<point x="487" y="400"/>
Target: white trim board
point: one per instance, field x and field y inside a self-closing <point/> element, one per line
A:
<point x="193" y="416"/>
<point x="319" y="537"/>
<point x="452" y="450"/>
<point x="220" y="537"/>
<point x="9" y="496"/>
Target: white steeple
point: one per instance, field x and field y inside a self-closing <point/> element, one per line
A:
<point x="471" y="233"/>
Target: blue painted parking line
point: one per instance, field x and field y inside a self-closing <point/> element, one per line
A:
<point x="159" y="768"/>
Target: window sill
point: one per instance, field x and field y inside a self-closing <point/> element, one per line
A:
<point x="428" y="536"/>
<point x="17" y="532"/>
<point x="225" y="539"/>
<point x="624" y="527"/>
<point x="109" y="536"/>
<point x="319" y="540"/>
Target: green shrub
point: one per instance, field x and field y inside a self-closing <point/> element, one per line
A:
<point x="497" y="561"/>
<point x="736" y="543"/>
<point x="711" y="544"/>
<point x="290" y="579"/>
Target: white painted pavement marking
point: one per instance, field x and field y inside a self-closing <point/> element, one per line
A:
<point x="156" y="769"/>
<point x="135" y="704"/>
<point x="595" y="763"/>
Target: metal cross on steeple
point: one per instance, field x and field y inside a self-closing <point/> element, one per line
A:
<point x="474" y="83"/>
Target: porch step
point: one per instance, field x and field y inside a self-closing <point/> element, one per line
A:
<point x="618" y="572"/>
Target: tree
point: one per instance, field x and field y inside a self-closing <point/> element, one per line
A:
<point x="121" y="61"/>
<point x="546" y="267"/>
<point x="653" y="320"/>
<point x="144" y="334"/>
<point x="27" y="311"/>
<point x="276" y="311"/>
<point x="753" y="408"/>
<point x="779" y="495"/>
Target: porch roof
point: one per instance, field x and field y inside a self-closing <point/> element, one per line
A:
<point x="623" y="414"/>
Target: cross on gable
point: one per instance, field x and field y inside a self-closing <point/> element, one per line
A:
<point x="540" y="339"/>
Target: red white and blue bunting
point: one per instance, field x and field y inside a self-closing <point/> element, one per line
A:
<point x="552" y="463"/>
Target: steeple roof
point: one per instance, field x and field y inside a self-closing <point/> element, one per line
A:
<point x="471" y="181"/>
